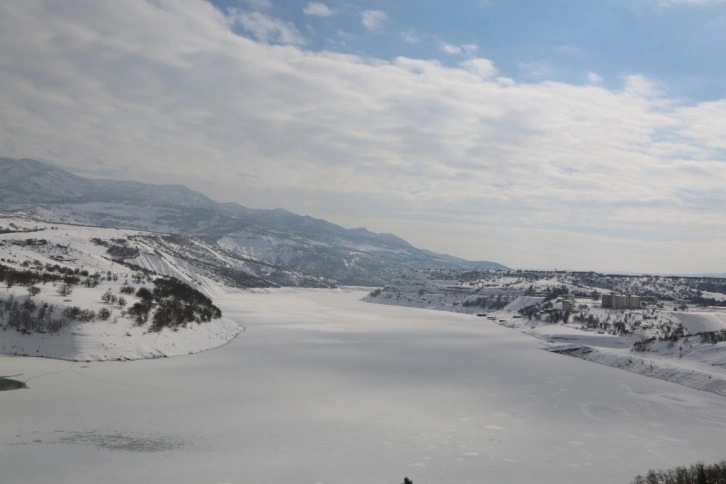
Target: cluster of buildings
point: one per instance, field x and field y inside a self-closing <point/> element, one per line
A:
<point x="620" y="301"/>
<point x="615" y="301"/>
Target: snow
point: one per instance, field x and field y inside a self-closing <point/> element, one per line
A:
<point x="117" y="338"/>
<point x="688" y="362"/>
<point x="325" y="388"/>
<point x="522" y="302"/>
<point x="97" y="342"/>
<point x="697" y="322"/>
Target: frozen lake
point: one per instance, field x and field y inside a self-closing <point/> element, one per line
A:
<point x="322" y="388"/>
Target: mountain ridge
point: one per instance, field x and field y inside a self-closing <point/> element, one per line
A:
<point x="300" y="242"/>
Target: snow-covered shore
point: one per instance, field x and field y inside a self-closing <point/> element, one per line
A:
<point x="118" y="337"/>
<point x="690" y="374"/>
<point x="699" y="366"/>
<point x="94" y="341"/>
<point x="688" y="361"/>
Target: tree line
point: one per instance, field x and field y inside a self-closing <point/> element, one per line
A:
<point x="698" y="473"/>
<point x="11" y="276"/>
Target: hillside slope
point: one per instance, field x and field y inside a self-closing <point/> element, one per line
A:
<point x="71" y="293"/>
<point x="299" y="243"/>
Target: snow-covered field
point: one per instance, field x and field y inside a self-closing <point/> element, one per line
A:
<point x="323" y="388"/>
<point x="697" y="322"/>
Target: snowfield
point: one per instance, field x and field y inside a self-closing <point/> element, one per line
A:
<point x="324" y="388"/>
<point x="35" y="246"/>
<point x="697" y="322"/>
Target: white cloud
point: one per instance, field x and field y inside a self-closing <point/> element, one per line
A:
<point x="269" y="29"/>
<point x="466" y="49"/>
<point x="470" y="49"/>
<point x="535" y="69"/>
<point x="450" y="49"/>
<point x="318" y="9"/>
<point x="455" y="159"/>
<point x="410" y="37"/>
<point x="373" y="19"/>
<point x="593" y="78"/>
<point x="641" y="86"/>
<point x="481" y="67"/>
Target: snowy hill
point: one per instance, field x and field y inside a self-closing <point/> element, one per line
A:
<point x="299" y="243"/>
<point x="75" y="292"/>
<point x="678" y="333"/>
<point x="189" y="259"/>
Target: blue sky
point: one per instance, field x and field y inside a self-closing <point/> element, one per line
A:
<point x="571" y="134"/>
<point x="678" y="43"/>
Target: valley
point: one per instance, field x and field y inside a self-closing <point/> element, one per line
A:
<point x="311" y="379"/>
<point x="322" y="385"/>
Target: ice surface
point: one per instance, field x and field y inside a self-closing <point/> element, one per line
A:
<point x="323" y="388"/>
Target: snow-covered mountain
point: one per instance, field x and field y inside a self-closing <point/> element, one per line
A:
<point x="30" y="181"/>
<point x="299" y="243"/>
<point x="192" y="260"/>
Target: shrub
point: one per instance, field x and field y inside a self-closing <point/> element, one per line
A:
<point x="106" y="296"/>
<point x="713" y="337"/>
<point x="65" y="290"/>
<point x="643" y="345"/>
<point x="140" y="312"/>
<point x="72" y="312"/>
<point x="144" y="293"/>
<point x="90" y="282"/>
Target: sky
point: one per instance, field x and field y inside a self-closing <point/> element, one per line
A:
<point x="560" y="134"/>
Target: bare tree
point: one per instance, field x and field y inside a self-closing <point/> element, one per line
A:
<point x="65" y="290"/>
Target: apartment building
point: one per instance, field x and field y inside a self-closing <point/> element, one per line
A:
<point x="620" y="301"/>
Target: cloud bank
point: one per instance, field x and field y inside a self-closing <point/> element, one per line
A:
<point x="456" y="158"/>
